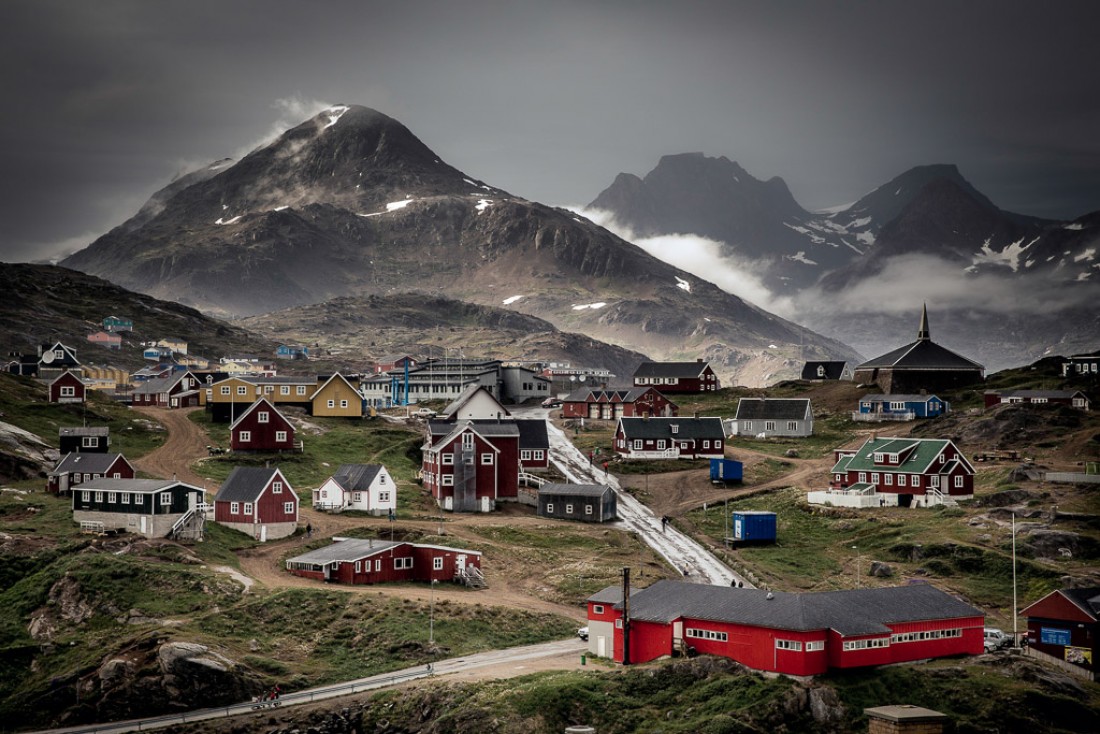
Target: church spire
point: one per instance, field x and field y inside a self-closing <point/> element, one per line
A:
<point x="924" y="334"/>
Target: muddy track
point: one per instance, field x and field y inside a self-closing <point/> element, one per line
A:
<point x="186" y="444"/>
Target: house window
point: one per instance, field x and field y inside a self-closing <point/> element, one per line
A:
<point x="916" y="480"/>
<point x="894" y="405"/>
<point x="467" y="440"/>
<point x="284" y="390"/>
<point x="706" y="634"/>
<point x="525" y="455"/>
<point x="358" y="566"/>
<point x="874" y="477"/>
<point x="262" y="416"/>
<point x="301" y="389"/>
<point x="661" y="444"/>
<point x="269" y="389"/>
<point x="234" y="508"/>
<point x="276" y="487"/>
<point x="89" y="442"/>
<point x="165" y="499"/>
<point x="674" y="429"/>
<point x="86" y="496"/>
<point x="343" y="403"/>
<point x="98" y="496"/>
<point x="356" y="496"/>
<point x="958" y="480"/>
<point x="381" y="478"/>
<point x="618" y="624"/>
<point x="402" y="563"/>
<point x="901" y="479"/>
<point x="888" y="480"/>
<point x="934" y="481"/>
<point x="792" y="425"/>
<point x="242" y="390"/>
<point x="769" y="425"/>
<point x="139" y="499"/>
<point x="448" y="459"/>
<point x="569" y="509"/>
<point x="588" y="509"/>
<point x="125" y="499"/>
<point x="795" y="645"/>
<point x="549" y="506"/>
<point x="815" y="645"/>
<point x="437" y="564"/>
<point x="597" y="608"/>
<point x="383" y="496"/>
<point x="487" y="459"/>
<point x="377" y="564"/>
<point x="746" y="425"/>
<point x="59" y="354"/>
<point x="862" y="477"/>
<point x="332" y="403"/>
<point x="448" y="480"/>
<point x="538" y="454"/>
<point x="248" y="508"/>
<point x="112" y="498"/>
<point x="244" y="436"/>
<point x="280" y="436"/>
<point x="288" y="508"/>
<point x="637" y="444"/>
<point x="225" y="390"/>
<point x="67" y="391"/>
<point x="878" y="457"/>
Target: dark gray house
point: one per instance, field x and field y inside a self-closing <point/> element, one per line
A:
<point x="773" y="417"/>
<point x="584" y="502"/>
<point x="84" y="440"/>
<point x="155" y="508"/>
<point x="819" y="371"/>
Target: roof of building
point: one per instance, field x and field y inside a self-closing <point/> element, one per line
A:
<point x="611" y="595"/>
<point x="356" y="477"/>
<point x="923" y="354"/>
<point x="1049" y="394"/>
<point x="351" y="549"/>
<point x="160" y="384"/>
<point x="921" y="453"/>
<point x="260" y="403"/>
<point x="833" y="370"/>
<point x="607" y="395"/>
<point x="84" y="431"/>
<point x="134" y="485"/>
<point x="74" y="461"/>
<point x="780" y="409"/>
<point x="851" y="613"/>
<point x="687" y="428"/>
<point x="485" y="429"/>
<point x="897" y="398"/>
<point x="247" y="483"/>
<point x="671" y="369"/>
<point x="1088" y="599"/>
<point x="575" y="490"/>
<point x="466" y="396"/>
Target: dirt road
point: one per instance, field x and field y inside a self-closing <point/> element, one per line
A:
<point x="186" y="444"/>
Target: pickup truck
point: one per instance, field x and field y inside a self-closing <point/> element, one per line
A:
<point x="424" y="413"/>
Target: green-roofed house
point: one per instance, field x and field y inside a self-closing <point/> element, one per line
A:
<point x="920" y="365"/>
<point x="902" y="472"/>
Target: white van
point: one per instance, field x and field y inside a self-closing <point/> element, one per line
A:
<point x="995" y="639"/>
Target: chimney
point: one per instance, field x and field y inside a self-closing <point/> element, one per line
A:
<point x="699" y="360"/>
<point x="695" y="414"/>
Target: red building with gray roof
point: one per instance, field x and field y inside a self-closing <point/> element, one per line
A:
<point x="794" y="634"/>
<point x="372" y="561"/>
<point x="257" y="501"/>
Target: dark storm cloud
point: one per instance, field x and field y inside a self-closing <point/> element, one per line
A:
<point x="106" y="101"/>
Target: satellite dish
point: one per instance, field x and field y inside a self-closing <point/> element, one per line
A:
<point x="47" y="356"/>
<point x="582" y="378"/>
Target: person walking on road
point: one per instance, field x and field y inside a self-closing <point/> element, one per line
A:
<point x="309" y="530"/>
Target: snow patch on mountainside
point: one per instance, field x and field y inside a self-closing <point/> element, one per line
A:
<point x="682" y="284"/>
<point x="510" y="300"/>
<point x="334" y="115"/>
<point x="234" y="220"/>
<point x="1009" y="256"/>
<point x="593" y="306"/>
<point x="800" y="257"/>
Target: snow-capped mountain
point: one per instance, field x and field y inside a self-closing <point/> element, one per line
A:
<point x="350" y="202"/>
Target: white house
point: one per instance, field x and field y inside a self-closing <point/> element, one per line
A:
<point x="363" y="487"/>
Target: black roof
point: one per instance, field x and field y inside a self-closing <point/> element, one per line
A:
<point x="532" y="434"/>
<point x="687" y="428"/>
<point x="1086" y="598"/>
<point x="357" y="477"/>
<point x="85" y="463"/>
<point x="671" y="369"/>
<point x="783" y="409"/>
<point x="922" y="354"/>
<point x="245" y="484"/>
<point x="134" y="485"/>
<point x="609" y="395"/>
<point x="575" y="490"/>
<point x="851" y="612"/>
<point x="833" y="370"/>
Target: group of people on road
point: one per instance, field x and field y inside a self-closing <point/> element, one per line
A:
<point x="272" y="694"/>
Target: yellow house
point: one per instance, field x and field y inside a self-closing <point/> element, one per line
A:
<point x="337" y="398"/>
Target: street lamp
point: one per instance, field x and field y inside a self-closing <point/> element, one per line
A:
<point x="858" y="558"/>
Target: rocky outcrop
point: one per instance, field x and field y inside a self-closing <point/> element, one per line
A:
<point x="65" y="605"/>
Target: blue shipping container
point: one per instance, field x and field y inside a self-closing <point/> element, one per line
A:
<point x="754" y="525"/>
<point x="725" y="470"/>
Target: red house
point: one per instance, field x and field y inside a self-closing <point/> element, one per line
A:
<point x="358" y="561"/>
<point x="676" y="377"/>
<point x="177" y="390"/>
<point x="257" y="501"/>
<point x="670" y="438"/>
<point x="67" y="388"/>
<point x="75" y="468"/>
<point x="792" y="634"/>
<point x="904" y="471"/>
<point x="1065" y="625"/>
<point x="473" y="465"/>
<point x="261" y="428"/>
<point x="1072" y="398"/>
<point x="596" y="404"/>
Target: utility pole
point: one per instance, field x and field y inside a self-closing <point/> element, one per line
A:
<point x="1015" y="637"/>
<point x="858" y="558"/>
<point x="431" y="616"/>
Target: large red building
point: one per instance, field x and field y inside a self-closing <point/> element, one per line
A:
<point x="677" y="377"/>
<point x="793" y="634"/>
<point x="369" y="561"/>
<point x="472" y="466"/>
<point x="905" y="471"/>
<point x="612" y="404"/>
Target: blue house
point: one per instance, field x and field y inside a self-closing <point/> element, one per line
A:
<point x="899" y="407"/>
<point x="289" y="351"/>
<point x="156" y="354"/>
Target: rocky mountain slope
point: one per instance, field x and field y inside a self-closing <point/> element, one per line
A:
<point x="45" y="303"/>
<point x="859" y="272"/>
<point x="351" y="203"/>
<point x="412" y="323"/>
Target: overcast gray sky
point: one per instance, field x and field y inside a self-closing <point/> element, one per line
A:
<point x="106" y="101"/>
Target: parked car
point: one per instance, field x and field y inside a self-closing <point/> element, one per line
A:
<point x="995" y="639"/>
<point x="551" y="403"/>
<point x="424" y="413"/>
<point x="583" y="633"/>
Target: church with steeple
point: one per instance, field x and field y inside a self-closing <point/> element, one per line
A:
<point x="921" y="365"/>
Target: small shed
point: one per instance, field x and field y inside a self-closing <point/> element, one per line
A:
<point x="753" y="526"/>
<point x="584" y="502"/>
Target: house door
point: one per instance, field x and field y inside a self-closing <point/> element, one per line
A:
<point x="460" y="562"/>
<point x="175" y="402"/>
<point x="263" y="533"/>
<point x="192" y="500"/>
<point x="593" y="411"/>
<point x="143" y="530"/>
<point x="677" y="635"/>
<point x="601" y="646"/>
<point x="63" y="488"/>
